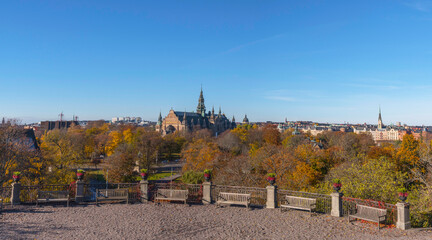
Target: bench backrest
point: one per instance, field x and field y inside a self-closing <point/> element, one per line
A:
<point x="370" y="212"/>
<point x="173" y="193"/>
<point x="112" y="193"/>
<point x="53" y="194"/>
<point x="235" y="197"/>
<point x="300" y="201"/>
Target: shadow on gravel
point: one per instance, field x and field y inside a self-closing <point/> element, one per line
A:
<point x="27" y="210"/>
<point x="27" y="230"/>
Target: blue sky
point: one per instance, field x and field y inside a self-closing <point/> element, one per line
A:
<point x="326" y="61"/>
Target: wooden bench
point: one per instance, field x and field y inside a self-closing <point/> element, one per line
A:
<point x="53" y="196"/>
<point x="302" y="203"/>
<point x="112" y="194"/>
<point x="371" y="214"/>
<point x="171" y="195"/>
<point x="233" y="199"/>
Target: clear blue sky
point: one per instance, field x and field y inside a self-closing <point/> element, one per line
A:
<point x="326" y="61"/>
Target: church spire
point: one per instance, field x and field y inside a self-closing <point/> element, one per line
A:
<point x="380" y="124"/>
<point x="201" y="107"/>
<point x="160" y="119"/>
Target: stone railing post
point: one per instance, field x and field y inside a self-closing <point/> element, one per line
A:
<point x="403" y="217"/>
<point x="271" y="197"/>
<point x="206" y="192"/>
<point x="144" y="190"/>
<point x="15" y="195"/>
<point x="79" y="194"/>
<point x="336" y="210"/>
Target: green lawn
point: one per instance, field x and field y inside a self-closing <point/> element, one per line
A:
<point x="158" y="176"/>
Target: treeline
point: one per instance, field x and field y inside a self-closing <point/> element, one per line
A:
<point x="242" y="156"/>
<point x="245" y="155"/>
<point x="60" y="152"/>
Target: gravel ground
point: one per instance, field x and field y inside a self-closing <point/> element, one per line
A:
<point x="177" y="221"/>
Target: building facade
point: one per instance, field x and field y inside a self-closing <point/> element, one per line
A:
<point x="181" y="121"/>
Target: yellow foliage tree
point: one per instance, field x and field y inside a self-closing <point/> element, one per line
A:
<point x="200" y="155"/>
<point x="115" y="139"/>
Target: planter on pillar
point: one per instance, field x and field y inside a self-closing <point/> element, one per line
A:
<point x="207" y="175"/>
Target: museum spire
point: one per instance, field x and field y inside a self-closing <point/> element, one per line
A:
<point x="201" y="107"/>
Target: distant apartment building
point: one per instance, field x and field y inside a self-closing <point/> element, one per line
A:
<point x="50" y="125"/>
<point x="126" y="120"/>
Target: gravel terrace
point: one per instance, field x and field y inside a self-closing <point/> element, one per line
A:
<point x="177" y="221"/>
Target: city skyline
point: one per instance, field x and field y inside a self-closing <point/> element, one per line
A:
<point x="323" y="62"/>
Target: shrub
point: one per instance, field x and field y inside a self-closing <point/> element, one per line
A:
<point x="375" y="179"/>
<point x="191" y="177"/>
<point x="420" y="201"/>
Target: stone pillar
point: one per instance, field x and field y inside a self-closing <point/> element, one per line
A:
<point x="15" y="195"/>
<point x="79" y="194"/>
<point x="336" y="210"/>
<point x="271" y="197"/>
<point x="206" y="192"/>
<point x="403" y="217"/>
<point x="144" y="190"/>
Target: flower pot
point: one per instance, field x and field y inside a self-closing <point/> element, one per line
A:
<point x="337" y="187"/>
<point x="144" y="176"/>
<point x="80" y="176"/>
<point x="16" y="178"/>
<point x="207" y="177"/>
<point x="271" y="180"/>
<point x="403" y="196"/>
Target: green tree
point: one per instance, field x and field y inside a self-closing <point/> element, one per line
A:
<point x="375" y="179"/>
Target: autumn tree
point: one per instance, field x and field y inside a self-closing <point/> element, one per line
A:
<point x="18" y="153"/>
<point x="200" y="155"/>
<point x="408" y="155"/>
<point x="148" y="145"/>
<point x="271" y="135"/>
<point x="63" y="151"/>
<point x="121" y="163"/>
